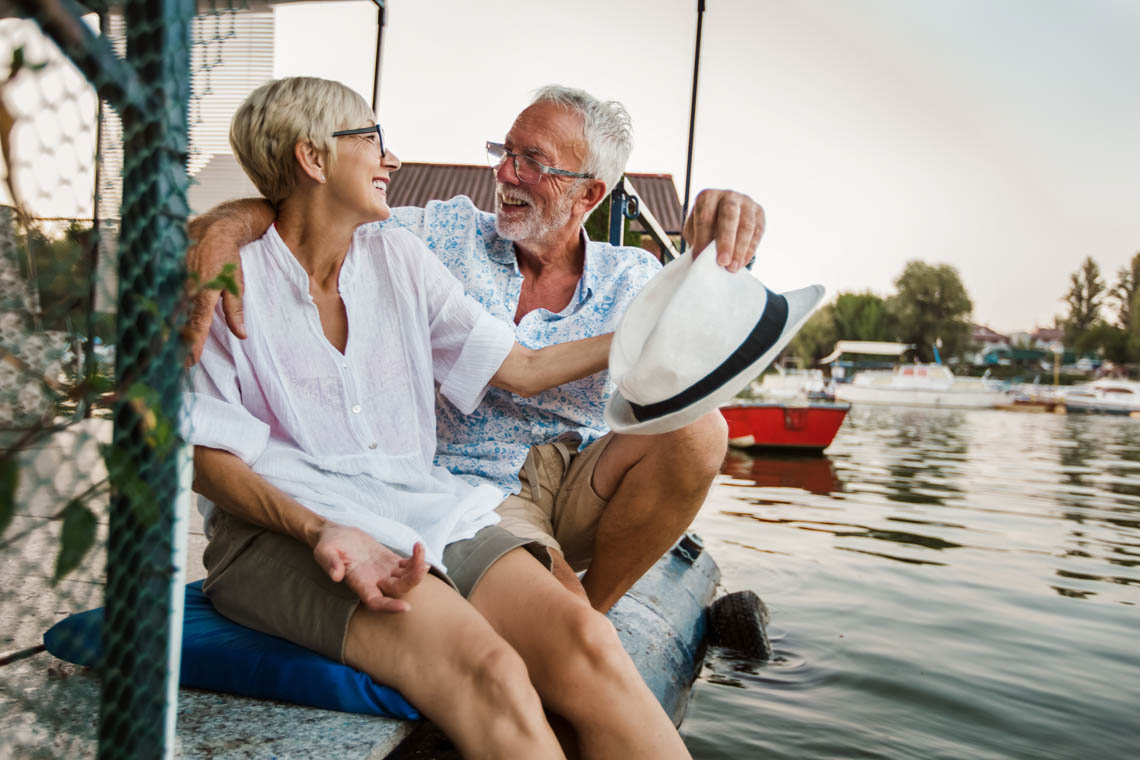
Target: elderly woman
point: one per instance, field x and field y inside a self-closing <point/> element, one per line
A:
<point x="314" y="437"/>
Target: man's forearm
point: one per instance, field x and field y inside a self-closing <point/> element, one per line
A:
<point x="528" y="371"/>
<point x="239" y="221"/>
<point x="229" y="482"/>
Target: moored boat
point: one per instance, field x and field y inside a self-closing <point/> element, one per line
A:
<point x="807" y="427"/>
<point x="921" y="385"/>
<point x="1105" y="396"/>
<point x="792" y="384"/>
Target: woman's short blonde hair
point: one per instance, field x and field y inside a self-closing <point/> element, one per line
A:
<point x="281" y="113"/>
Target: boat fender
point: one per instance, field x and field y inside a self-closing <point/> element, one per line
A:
<point x="738" y="622"/>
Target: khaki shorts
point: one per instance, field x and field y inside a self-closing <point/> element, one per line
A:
<point x="557" y="506"/>
<point x="271" y="583"/>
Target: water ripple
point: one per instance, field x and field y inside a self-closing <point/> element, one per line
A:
<point x="943" y="584"/>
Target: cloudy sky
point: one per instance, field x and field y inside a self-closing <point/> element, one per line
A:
<point x="1000" y="137"/>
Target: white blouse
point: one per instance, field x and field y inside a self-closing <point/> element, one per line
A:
<point x="351" y="436"/>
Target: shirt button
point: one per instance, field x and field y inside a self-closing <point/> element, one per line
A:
<point x="344" y="365"/>
<point x="356" y="409"/>
<point x="372" y="445"/>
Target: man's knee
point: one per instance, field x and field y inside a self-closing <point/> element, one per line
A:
<point x="700" y="446"/>
<point x="592" y="649"/>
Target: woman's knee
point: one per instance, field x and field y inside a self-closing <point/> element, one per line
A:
<point x="496" y="672"/>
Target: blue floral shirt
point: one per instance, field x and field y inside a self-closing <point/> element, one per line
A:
<point x="491" y="444"/>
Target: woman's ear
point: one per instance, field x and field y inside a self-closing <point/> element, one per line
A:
<point x="311" y="160"/>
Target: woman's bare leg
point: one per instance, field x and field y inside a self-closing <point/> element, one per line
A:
<point x="576" y="662"/>
<point x="445" y="658"/>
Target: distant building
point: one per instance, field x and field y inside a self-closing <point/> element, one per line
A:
<point x="1045" y="338"/>
<point x="985" y="341"/>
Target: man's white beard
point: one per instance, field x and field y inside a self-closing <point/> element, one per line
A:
<point x="532" y="226"/>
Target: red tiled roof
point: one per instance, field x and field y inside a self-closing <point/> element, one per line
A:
<point x="1048" y="334"/>
<point x="984" y="334"/>
<point x="660" y="194"/>
<point x="416" y="184"/>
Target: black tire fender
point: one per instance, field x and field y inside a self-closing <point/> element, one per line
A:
<point x="738" y="622"/>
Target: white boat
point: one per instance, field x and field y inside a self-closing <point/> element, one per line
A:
<point x="792" y="384"/>
<point x="921" y="385"/>
<point x="1104" y="396"/>
<point x="911" y="384"/>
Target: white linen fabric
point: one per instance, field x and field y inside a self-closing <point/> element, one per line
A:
<point x="351" y="436"/>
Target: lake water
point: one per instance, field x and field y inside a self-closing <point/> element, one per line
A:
<point x="942" y="584"/>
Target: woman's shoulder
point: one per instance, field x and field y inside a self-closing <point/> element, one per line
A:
<point x="394" y="248"/>
<point x="386" y="238"/>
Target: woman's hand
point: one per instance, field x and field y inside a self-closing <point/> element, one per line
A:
<point x="373" y="571"/>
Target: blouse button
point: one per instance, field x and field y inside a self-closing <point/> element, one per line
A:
<point x="356" y="409"/>
<point x="372" y="445"/>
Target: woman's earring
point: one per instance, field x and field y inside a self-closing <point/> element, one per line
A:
<point x="322" y="178"/>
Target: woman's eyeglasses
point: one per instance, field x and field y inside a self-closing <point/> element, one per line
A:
<point x="365" y="131"/>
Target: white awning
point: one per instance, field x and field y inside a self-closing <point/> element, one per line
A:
<point x="877" y="347"/>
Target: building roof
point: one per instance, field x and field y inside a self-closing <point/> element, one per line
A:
<point x="415" y="184"/>
<point x="983" y="334"/>
<point x="1048" y="334"/>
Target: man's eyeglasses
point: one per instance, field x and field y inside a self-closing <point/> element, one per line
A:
<point x="526" y="168"/>
<point x="364" y="131"/>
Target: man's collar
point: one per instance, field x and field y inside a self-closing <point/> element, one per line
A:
<point x="503" y="252"/>
<point x="586" y="283"/>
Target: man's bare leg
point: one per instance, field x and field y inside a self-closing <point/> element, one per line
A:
<point x="655" y="485"/>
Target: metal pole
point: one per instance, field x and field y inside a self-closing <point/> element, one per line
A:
<point x="93" y="246"/>
<point x="142" y="613"/>
<point x="381" y="20"/>
<point x="692" y="117"/>
<point x="617" y="215"/>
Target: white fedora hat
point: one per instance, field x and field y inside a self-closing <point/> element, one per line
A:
<point x="692" y="338"/>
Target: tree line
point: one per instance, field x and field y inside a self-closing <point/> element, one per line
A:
<point x="930" y="304"/>
<point x="1101" y="317"/>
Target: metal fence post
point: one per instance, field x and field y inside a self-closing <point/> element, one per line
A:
<point x="137" y="713"/>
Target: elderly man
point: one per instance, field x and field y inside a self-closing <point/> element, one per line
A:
<point x="606" y="503"/>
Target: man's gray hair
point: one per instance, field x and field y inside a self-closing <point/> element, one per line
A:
<point x="606" y="127"/>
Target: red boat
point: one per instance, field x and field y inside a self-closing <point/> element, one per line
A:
<point x="807" y="427"/>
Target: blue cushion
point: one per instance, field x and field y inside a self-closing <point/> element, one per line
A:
<point x="220" y="655"/>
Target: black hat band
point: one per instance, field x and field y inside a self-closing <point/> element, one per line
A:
<point x="763" y="336"/>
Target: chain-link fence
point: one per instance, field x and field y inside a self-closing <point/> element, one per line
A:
<point x="96" y="114"/>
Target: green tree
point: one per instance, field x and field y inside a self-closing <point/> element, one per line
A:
<point x="1084" y="299"/>
<point x="1125" y="290"/>
<point x="817" y="337"/>
<point x="863" y="316"/>
<point x="1112" y="342"/>
<point x="598" y="225"/>
<point x="931" y="304"/>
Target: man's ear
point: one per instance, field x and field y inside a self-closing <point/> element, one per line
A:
<point x="311" y="160"/>
<point x="594" y="194"/>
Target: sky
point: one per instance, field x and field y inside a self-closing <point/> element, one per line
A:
<point x="1000" y="137"/>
